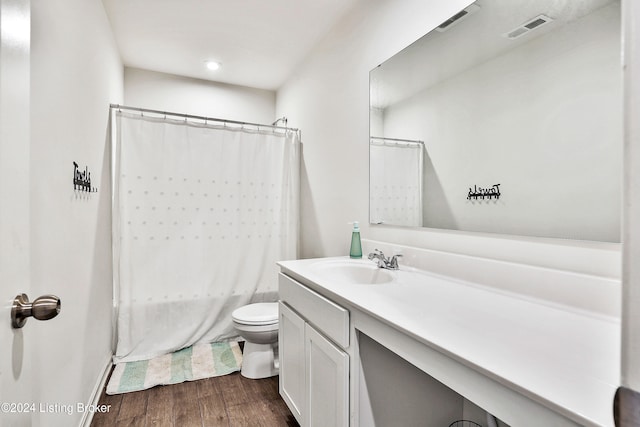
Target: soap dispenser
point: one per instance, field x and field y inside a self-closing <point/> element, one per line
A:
<point x="356" y="245"/>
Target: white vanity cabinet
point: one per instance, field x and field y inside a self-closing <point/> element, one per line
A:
<point x="291" y="352"/>
<point x="314" y="366"/>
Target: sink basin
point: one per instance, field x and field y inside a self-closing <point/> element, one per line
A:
<point x="352" y="272"/>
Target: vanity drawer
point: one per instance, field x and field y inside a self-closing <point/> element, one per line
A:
<point x="323" y="314"/>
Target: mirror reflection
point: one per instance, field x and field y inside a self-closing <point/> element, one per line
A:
<point x="505" y="119"/>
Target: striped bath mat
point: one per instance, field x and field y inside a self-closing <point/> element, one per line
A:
<point x="192" y="363"/>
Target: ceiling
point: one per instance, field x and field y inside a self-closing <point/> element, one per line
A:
<point x="258" y="42"/>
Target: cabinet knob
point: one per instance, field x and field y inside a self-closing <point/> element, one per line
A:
<point x="43" y="308"/>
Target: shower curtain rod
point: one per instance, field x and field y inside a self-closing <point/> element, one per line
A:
<point x="381" y="138"/>
<point x="206" y="119"/>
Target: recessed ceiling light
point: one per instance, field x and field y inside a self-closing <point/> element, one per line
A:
<point x="212" y="65"/>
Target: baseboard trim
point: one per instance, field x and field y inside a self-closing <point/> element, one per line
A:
<point x="87" y="416"/>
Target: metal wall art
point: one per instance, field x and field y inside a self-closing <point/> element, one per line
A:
<point x="484" y="193"/>
<point x="82" y="179"/>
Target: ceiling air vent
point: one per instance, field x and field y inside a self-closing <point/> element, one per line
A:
<point x="460" y="16"/>
<point x="528" y="26"/>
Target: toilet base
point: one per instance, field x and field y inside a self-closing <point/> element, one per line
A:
<point x="259" y="360"/>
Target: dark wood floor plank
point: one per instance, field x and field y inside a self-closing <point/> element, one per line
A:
<point x="234" y="391"/>
<point x="268" y="388"/>
<point x="226" y="401"/>
<point x="156" y="422"/>
<point x="243" y="415"/>
<point x="99" y="421"/>
<point x="160" y="407"/>
<point x="208" y="387"/>
<point x="282" y="413"/>
<point x="133" y="405"/>
<point x="110" y="417"/>
<point x="186" y="409"/>
<point x="214" y="413"/>
<point x="212" y="407"/>
<point x="137" y="421"/>
<point x="260" y="413"/>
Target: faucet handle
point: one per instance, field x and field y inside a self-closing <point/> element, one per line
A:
<point x="393" y="262"/>
<point x="377" y="253"/>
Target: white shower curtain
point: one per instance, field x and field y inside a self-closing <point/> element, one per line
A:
<point x="396" y="182"/>
<point x="201" y="215"/>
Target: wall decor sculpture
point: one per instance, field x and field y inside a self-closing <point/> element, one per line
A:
<point x="488" y="193"/>
<point x="82" y="179"/>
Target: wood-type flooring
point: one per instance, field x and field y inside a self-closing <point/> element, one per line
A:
<point x="230" y="400"/>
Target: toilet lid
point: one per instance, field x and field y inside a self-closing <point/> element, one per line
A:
<point x="261" y="313"/>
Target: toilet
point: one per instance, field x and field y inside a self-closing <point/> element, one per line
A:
<point x="258" y="325"/>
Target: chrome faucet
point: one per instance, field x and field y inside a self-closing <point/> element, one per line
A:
<point x="383" y="261"/>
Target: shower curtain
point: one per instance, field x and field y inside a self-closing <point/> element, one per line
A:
<point x="202" y="213"/>
<point x="396" y="182"/>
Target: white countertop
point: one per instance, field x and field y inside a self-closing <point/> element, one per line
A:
<point x="563" y="358"/>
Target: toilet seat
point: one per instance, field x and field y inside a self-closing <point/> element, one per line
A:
<point x="257" y="324"/>
<point x="258" y="314"/>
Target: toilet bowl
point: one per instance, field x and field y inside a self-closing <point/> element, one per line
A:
<point x="258" y="325"/>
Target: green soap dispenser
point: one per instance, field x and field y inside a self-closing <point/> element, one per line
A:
<point x="356" y="245"/>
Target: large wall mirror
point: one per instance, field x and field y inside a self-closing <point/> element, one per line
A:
<point x="505" y="119"/>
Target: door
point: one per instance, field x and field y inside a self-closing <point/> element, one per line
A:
<point x="292" y="366"/>
<point x="327" y="375"/>
<point x="15" y="344"/>
<point x="627" y="405"/>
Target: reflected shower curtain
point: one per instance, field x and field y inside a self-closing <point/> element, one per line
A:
<point x="396" y="182"/>
<point x="201" y="215"/>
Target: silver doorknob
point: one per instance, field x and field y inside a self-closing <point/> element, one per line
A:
<point x="43" y="308"/>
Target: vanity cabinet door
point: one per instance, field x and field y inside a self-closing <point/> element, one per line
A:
<point x="292" y="360"/>
<point x="327" y="375"/>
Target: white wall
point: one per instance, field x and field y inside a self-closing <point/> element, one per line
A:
<point x="328" y="98"/>
<point x="166" y="92"/>
<point x="543" y="120"/>
<point x="75" y="73"/>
